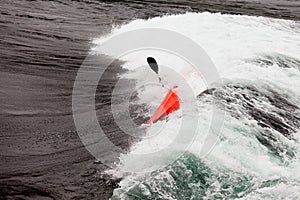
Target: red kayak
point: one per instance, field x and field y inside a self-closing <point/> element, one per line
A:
<point x="170" y="104"/>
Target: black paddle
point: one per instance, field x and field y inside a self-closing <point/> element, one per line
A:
<point x="154" y="66"/>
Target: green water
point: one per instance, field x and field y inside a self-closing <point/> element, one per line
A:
<point x="190" y="178"/>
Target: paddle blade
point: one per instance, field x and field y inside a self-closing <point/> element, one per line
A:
<point x="153" y="64"/>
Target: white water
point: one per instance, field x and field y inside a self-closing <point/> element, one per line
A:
<point x="230" y="41"/>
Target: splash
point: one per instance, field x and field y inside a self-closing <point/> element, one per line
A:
<point x="257" y="155"/>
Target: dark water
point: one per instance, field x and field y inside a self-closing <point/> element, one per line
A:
<point x="43" y="43"/>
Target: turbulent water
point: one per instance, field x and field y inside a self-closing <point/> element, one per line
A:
<point x="257" y="155"/>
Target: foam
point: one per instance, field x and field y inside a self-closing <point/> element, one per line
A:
<point x="230" y="41"/>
